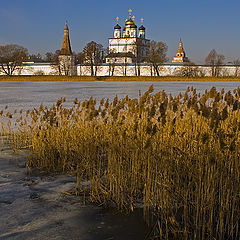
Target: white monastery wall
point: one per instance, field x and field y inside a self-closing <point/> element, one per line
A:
<point x="164" y="70"/>
<point x="148" y="70"/>
<point x="35" y="69"/>
<point x="126" y="70"/>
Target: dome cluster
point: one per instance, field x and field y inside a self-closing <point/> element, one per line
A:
<point x="130" y="28"/>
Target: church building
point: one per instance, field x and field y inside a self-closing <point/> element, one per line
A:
<point x="128" y="45"/>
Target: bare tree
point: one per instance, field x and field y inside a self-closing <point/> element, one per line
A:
<point x="157" y="54"/>
<point x="93" y="55"/>
<point x="236" y="63"/>
<point x="138" y="57"/>
<point x="189" y="69"/>
<point x="53" y="58"/>
<point x="35" y="57"/>
<point x="79" y="57"/>
<point x="12" y="57"/>
<point x="65" y="65"/>
<point x="61" y="64"/>
<point x="111" y="60"/>
<point x="215" y="60"/>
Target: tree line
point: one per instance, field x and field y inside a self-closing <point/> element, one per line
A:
<point x="13" y="56"/>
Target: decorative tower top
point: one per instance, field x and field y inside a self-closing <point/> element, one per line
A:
<point x="117" y="30"/>
<point x="130" y="13"/>
<point x="66" y="46"/>
<point x="180" y="55"/>
<point x="117" y="26"/>
<point x="142" y="27"/>
<point x="180" y="51"/>
<point x="130" y="22"/>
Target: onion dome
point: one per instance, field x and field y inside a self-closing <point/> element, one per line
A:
<point x="117" y="27"/>
<point x="142" y="27"/>
<point x="129" y="22"/>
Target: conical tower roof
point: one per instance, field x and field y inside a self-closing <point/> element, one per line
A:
<point x="180" y="48"/>
<point x="180" y="55"/>
<point x="66" y="46"/>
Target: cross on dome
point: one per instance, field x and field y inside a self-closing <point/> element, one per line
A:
<point x="130" y="13"/>
<point x="142" y="21"/>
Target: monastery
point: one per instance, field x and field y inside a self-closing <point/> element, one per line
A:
<point x="130" y="45"/>
<point x="128" y="49"/>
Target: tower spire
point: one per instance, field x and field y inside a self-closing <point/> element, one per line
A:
<point x="66" y="46"/>
<point x="180" y="47"/>
<point x="180" y="55"/>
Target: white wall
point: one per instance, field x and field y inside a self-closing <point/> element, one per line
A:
<point x="126" y="70"/>
<point x="164" y="70"/>
<point x="35" y="69"/>
<point x="117" y="45"/>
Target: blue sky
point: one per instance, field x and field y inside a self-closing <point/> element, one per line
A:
<point x="202" y="24"/>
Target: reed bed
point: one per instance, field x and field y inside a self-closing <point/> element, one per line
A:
<point x="177" y="156"/>
<point x="113" y="78"/>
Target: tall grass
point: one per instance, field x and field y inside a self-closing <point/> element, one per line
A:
<point x="179" y="156"/>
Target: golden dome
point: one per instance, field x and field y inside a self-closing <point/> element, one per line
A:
<point x="129" y="22"/>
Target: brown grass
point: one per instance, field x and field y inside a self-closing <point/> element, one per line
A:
<point x="179" y="156"/>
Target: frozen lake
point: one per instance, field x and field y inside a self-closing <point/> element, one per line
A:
<point x="27" y="95"/>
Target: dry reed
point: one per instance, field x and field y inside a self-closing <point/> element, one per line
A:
<point x="179" y="156"/>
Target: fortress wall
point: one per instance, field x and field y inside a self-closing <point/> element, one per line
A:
<point x="129" y="70"/>
<point x="35" y="69"/>
<point x="148" y="70"/>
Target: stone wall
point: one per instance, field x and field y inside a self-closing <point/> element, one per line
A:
<point x="35" y="69"/>
<point x="128" y="70"/>
<point x="164" y="70"/>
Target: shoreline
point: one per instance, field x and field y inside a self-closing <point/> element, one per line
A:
<point x="114" y="79"/>
<point x="35" y="207"/>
